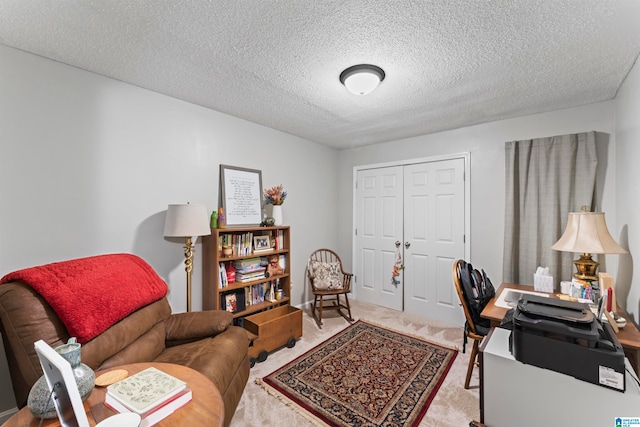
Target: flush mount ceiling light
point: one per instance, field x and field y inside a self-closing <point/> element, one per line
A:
<point x="362" y="79"/>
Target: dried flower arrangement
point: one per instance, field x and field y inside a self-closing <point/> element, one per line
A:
<point x="275" y="195"/>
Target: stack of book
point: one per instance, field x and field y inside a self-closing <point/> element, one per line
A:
<point x="151" y="393"/>
<point x="249" y="269"/>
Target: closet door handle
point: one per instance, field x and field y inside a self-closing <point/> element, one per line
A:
<point x="407" y="245"/>
<point x="398" y="243"/>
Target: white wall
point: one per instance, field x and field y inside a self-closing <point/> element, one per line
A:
<point x="485" y="143"/>
<point x="88" y="165"/>
<point x="627" y="232"/>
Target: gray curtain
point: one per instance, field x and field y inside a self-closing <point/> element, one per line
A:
<point x="546" y="178"/>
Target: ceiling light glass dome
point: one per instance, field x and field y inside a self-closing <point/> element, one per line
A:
<point x="362" y="79"/>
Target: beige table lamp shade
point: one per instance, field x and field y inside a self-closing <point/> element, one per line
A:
<point x="586" y="233"/>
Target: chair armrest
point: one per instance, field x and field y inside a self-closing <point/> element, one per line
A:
<point x="185" y="327"/>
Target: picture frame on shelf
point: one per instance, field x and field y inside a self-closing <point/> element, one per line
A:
<point x="241" y="193"/>
<point x="261" y="244"/>
<point x="231" y="303"/>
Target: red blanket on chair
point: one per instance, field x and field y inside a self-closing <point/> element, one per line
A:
<point x="91" y="294"/>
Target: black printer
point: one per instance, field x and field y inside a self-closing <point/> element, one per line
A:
<point x="566" y="337"/>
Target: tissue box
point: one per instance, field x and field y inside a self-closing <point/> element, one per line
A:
<point x="542" y="283"/>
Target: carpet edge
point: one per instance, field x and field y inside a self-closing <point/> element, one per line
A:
<point x="429" y="401"/>
<point x="290" y="403"/>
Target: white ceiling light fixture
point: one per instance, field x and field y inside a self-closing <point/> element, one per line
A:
<point x="362" y="79"/>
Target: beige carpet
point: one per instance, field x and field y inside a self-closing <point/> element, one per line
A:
<point x="453" y="405"/>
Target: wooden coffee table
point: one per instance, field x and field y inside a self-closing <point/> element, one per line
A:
<point x="206" y="408"/>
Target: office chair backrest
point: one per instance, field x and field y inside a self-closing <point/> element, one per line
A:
<point x="458" y="267"/>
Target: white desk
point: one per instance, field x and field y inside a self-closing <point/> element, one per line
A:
<point x="517" y="394"/>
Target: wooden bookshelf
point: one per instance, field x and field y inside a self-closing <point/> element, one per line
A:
<point x="214" y="288"/>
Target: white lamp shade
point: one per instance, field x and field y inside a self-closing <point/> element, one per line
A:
<point x="186" y="221"/>
<point x="587" y="232"/>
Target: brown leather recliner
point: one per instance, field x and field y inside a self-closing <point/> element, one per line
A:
<point x="204" y="341"/>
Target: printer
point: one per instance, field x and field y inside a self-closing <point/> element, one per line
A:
<point x="566" y="337"/>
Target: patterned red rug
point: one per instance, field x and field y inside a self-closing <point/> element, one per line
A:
<point x="365" y="375"/>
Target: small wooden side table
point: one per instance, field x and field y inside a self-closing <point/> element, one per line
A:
<point x="206" y="408"/>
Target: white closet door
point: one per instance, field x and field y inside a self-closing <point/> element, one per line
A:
<point x="379" y="220"/>
<point x="433" y="238"/>
<point x="422" y="207"/>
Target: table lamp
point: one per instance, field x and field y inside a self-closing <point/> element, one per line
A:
<point x="587" y="233"/>
<point x="189" y="221"/>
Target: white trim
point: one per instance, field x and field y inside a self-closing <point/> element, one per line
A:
<point x="465" y="155"/>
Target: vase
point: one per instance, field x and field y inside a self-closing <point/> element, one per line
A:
<point x="276" y="213"/>
<point x="39" y="402"/>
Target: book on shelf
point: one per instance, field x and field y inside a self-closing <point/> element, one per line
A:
<point x="240" y="243"/>
<point x="247" y="263"/>
<point x="279" y="238"/>
<point x="227" y="274"/>
<point x="145" y="391"/>
<point x="157" y="414"/>
<point x="253" y="266"/>
<point x="243" y="278"/>
<point x="257" y="293"/>
<point x="251" y="269"/>
<point x="250" y="279"/>
<point x="247" y="277"/>
<point x="223" y="275"/>
<point x="251" y="272"/>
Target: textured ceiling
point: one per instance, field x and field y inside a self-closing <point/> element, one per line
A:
<point x="448" y="63"/>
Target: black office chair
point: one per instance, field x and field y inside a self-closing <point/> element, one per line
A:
<point x="472" y="329"/>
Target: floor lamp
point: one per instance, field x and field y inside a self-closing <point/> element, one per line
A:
<point x="586" y="233"/>
<point x="189" y="221"/>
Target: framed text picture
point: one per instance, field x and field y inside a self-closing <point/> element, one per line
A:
<point x="241" y="190"/>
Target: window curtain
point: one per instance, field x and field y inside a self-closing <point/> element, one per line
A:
<point x="546" y="178"/>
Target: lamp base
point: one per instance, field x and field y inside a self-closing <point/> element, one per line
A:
<point x="586" y="267"/>
<point x="188" y="267"/>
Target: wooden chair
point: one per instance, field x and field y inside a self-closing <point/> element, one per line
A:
<point x="324" y="266"/>
<point x="471" y="329"/>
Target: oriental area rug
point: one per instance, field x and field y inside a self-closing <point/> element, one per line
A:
<point x="365" y="375"/>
